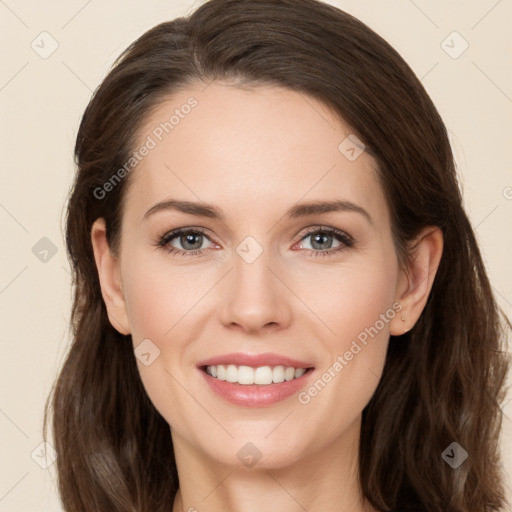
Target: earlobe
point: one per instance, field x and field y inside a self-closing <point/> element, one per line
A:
<point x="415" y="284"/>
<point x="109" y="274"/>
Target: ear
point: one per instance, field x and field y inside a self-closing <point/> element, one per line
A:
<point x="415" y="283"/>
<point x="109" y="274"/>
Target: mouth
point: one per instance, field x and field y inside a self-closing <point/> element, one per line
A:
<point x="254" y="380"/>
<point x="260" y="375"/>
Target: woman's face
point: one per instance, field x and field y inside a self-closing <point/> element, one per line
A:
<point x="272" y="278"/>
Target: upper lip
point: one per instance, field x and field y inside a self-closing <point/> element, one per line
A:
<point x="254" y="360"/>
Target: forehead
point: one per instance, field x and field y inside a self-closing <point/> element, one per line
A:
<point x="256" y="150"/>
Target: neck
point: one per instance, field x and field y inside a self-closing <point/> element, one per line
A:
<point x="327" y="479"/>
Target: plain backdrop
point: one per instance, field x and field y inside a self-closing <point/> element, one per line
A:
<point x="56" y="53"/>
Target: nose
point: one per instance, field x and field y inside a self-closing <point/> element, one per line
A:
<point x="255" y="296"/>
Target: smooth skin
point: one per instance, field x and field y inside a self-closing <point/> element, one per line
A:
<point x="254" y="153"/>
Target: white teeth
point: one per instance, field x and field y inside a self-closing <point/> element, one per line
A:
<point x="278" y="374"/>
<point x="221" y="372"/>
<point x="289" y="374"/>
<point x="263" y="375"/>
<point x="231" y="373"/>
<point x="245" y="375"/>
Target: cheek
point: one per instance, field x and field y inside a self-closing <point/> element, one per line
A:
<point x="164" y="305"/>
<point x="357" y="313"/>
<point x="367" y="295"/>
<point x="158" y="296"/>
<point x="159" y="305"/>
<point x="364" y="322"/>
<point x="352" y="350"/>
<point x="347" y="299"/>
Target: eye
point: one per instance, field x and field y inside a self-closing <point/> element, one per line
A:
<point x="323" y="236"/>
<point x="191" y="239"/>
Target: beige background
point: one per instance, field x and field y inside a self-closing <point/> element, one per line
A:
<point x="41" y="103"/>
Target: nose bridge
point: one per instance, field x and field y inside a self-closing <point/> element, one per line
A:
<point x="255" y="297"/>
<point x="251" y="264"/>
<point x="251" y="275"/>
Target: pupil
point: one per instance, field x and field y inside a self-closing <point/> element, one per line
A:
<point x="319" y="237"/>
<point x="189" y="238"/>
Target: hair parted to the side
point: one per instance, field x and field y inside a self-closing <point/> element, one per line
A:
<point x="443" y="380"/>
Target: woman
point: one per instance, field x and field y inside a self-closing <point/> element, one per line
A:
<point x="257" y="369"/>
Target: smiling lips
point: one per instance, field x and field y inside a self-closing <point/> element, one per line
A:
<point x="254" y="380"/>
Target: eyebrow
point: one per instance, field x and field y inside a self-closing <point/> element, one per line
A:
<point x="296" y="211"/>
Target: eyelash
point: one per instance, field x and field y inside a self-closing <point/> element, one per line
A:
<point x="346" y="240"/>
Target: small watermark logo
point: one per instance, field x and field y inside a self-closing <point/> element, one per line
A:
<point x="146" y="352"/>
<point x="249" y="455"/>
<point x="44" y="250"/>
<point x="44" y="455"/>
<point x="454" y="455"/>
<point x="454" y="45"/>
<point x="249" y="249"/>
<point x="45" y="45"/>
<point x="351" y="147"/>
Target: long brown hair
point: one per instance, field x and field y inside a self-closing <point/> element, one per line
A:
<point x="443" y="381"/>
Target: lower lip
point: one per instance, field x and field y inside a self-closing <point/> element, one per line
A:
<point x="255" y="395"/>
